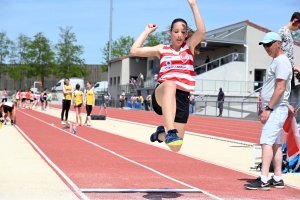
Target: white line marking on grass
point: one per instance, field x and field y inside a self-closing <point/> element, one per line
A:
<point x="127" y="159"/>
<point x="62" y="174"/>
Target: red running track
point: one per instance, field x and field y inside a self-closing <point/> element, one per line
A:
<point x="243" y="130"/>
<point x="89" y="166"/>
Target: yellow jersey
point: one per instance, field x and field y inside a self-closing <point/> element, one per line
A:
<point x="90" y="97"/>
<point x="77" y="97"/>
<point x="68" y="88"/>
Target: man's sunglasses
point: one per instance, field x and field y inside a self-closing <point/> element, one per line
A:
<point x="269" y="44"/>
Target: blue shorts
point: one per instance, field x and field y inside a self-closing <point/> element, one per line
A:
<point x="272" y="129"/>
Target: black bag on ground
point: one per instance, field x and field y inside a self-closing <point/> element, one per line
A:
<point x="98" y="117"/>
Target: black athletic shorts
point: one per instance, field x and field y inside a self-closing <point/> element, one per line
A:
<point x="182" y="106"/>
<point x="7" y="109"/>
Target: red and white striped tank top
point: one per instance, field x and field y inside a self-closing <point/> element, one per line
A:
<point x="177" y="67"/>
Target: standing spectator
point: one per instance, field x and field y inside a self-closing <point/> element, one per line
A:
<point x="23" y="99"/>
<point x="89" y="98"/>
<point x="28" y="93"/>
<point x="287" y="44"/>
<point x="78" y="101"/>
<point x="109" y="99"/>
<point x="207" y="59"/>
<point x="32" y="96"/>
<point x="17" y="99"/>
<point x="275" y="93"/>
<point x="155" y="77"/>
<point x="141" y="98"/>
<point x="221" y="97"/>
<point x="192" y="104"/>
<point x="140" y="80"/>
<point x="235" y="55"/>
<point x="67" y="91"/>
<point x="4" y="95"/>
<point x="44" y="96"/>
<point x="49" y="99"/>
<point x="122" y="100"/>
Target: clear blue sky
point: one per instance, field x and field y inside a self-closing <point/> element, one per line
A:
<point x="90" y="19"/>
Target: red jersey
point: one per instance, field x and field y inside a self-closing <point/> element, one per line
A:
<point x="178" y="67"/>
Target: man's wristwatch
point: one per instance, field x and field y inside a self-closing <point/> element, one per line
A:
<point x="268" y="108"/>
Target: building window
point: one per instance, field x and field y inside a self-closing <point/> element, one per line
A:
<point x="151" y="64"/>
<point x="119" y="80"/>
<point x="110" y="81"/>
<point x="115" y="80"/>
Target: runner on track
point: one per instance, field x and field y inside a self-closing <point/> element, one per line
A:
<point x="176" y="76"/>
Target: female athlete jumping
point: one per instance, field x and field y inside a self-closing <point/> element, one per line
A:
<point x="176" y="76"/>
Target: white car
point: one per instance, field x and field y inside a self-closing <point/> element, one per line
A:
<point x="73" y="82"/>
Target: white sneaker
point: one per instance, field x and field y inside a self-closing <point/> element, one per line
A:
<point x="63" y="122"/>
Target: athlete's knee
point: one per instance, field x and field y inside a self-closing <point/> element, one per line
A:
<point x="175" y="148"/>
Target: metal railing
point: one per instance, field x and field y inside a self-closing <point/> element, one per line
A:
<point x="237" y="87"/>
<point x="219" y="62"/>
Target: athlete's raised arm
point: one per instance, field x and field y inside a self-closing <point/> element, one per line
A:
<point x="198" y="35"/>
<point x="137" y="48"/>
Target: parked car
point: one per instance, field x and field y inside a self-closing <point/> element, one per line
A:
<point x="100" y="87"/>
<point x="73" y="82"/>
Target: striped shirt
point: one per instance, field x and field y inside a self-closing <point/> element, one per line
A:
<point x="178" y="67"/>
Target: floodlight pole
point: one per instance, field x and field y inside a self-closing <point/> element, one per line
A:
<point x="110" y="41"/>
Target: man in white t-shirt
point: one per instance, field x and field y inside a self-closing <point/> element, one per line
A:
<point x="275" y="94"/>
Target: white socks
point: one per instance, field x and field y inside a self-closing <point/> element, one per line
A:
<point x="277" y="178"/>
<point x="264" y="178"/>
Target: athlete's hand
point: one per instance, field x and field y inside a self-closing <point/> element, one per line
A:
<point x="264" y="116"/>
<point x="151" y="28"/>
<point x="292" y="111"/>
<point x="192" y="2"/>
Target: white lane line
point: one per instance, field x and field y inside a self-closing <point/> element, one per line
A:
<point x="195" y="134"/>
<point x="62" y="174"/>
<point x="127" y="159"/>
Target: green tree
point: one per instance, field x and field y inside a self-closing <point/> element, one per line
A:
<point x="68" y="55"/>
<point x="5" y="45"/>
<point x="40" y="59"/>
<point x="119" y="48"/>
<point x="157" y="38"/>
<point x="18" y="52"/>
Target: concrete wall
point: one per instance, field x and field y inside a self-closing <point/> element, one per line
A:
<point x="125" y="71"/>
<point x="231" y="77"/>
<point x="258" y="57"/>
<point x="137" y="67"/>
<point x="115" y="71"/>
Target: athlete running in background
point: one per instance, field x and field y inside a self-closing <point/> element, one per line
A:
<point x="18" y="98"/>
<point x="176" y="76"/>
<point x="4" y="95"/>
<point x="67" y="91"/>
<point x="9" y="109"/>
<point x="78" y="101"/>
<point x="89" y="97"/>
<point x="32" y="96"/>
